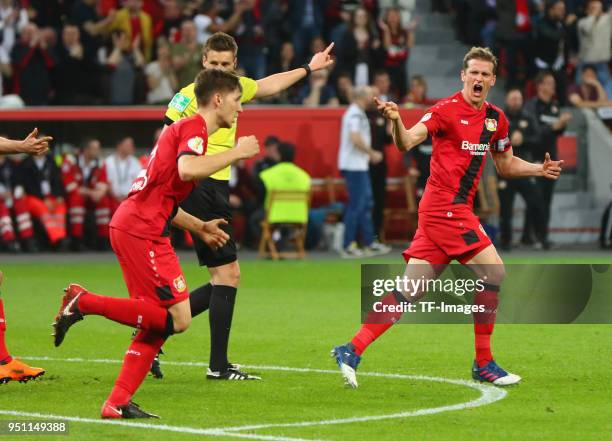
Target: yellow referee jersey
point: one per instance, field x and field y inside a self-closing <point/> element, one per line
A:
<point x="184" y="105"/>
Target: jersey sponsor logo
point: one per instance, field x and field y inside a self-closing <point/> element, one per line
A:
<point x="196" y="144"/>
<point x="491" y="124"/>
<point x="426" y="117"/>
<point x="179" y="283"/>
<point x="464" y="122"/>
<point x="140" y="182"/>
<point x="475" y="149"/>
<point x="179" y="102"/>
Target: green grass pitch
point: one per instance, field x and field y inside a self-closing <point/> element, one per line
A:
<point x="290" y="314"/>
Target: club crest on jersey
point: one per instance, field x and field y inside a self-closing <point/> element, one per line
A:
<point x="491" y="124"/>
<point x="196" y="144"/>
<point x="179" y="283"/>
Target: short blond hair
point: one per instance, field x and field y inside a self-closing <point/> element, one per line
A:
<point x="480" y="53"/>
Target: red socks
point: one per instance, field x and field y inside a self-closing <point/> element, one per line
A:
<point x="377" y="323"/>
<point x="484" y="323"/>
<point x="136" y="365"/>
<point x="136" y="313"/>
<point x="5" y="357"/>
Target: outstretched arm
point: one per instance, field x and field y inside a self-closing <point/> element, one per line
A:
<point x="510" y="166"/>
<point x="404" y="139"/>
<point x="32" y="145"/>
<point x="273" y="84"/>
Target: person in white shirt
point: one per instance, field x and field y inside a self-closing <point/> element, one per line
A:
<point x="122" y="167"/>
<point x="354" y="157"/>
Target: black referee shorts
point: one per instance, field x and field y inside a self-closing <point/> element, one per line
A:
<point x="210" y="200"/>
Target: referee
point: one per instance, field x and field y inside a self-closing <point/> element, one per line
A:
<point x="210" y="199"/>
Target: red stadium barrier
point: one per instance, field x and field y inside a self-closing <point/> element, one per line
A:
<point x="315" y="132"/>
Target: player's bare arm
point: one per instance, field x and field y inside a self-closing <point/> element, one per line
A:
<point x="32" y="145"/>
<point x="209" y="231"/>
<point x="510" y="166"/>
<point x="276" y="83"/>
<point x="403" y="138"/>
<point x="195" y="168"/>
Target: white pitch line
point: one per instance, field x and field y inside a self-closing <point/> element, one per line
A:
<point x="489" y="395"/>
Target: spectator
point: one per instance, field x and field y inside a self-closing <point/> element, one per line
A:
<point x="12" y="20"/>
<point x="250" y="37"/>
<point x="382" y="83"/>
<point x="354" y="156"/>
<point x="286" y="61"/>
<point x="32" y="64"/>
<point x="187" y="54"/>
<point x="524" y="138"/>
<point x="589" y="93"/>
<point x="6" y="71"/>
<point x="318" y="92"/>
<point x="125" y="63"/>
<point x="551" y="43"/>
<point x="86" y="186"/>
<point x="122" y="168"/>
<point x="359" y="47"/>
<point x="137" y="26"/>
<point x="208" y="21"/>
<point x="344" y="88"/>
<point x="381" y="137"/>
<point x="551" y="123"/>
<point x="594" y="39"/>
<point x="513" y="31"/>
<point x="306" y="17"/>
<point x="84" y="14"/>
<point x="404" y="7"/>
<point x="172" y="19"/>
<point x="270" y="158"/>
<point x="284" y="176"/>
<point x="39" y="194"/>
<point x="417" y="95"/>
<point x="75" y="75"/>
<point x="397" y="41"/>
<point x="161" y="79"/>
<point x="7" y="232"/>
<point x="243" y="199"/>
<point x="46" y="13"/>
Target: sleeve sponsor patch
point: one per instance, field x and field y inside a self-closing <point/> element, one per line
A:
<point x="179" y="102"/>
<point x="502" y="144"/>
<point x="196" y="144"/>
<point x="426" y="117"/>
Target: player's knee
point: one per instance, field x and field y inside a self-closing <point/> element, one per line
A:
<point x="229" y="275"/>
<point x="495" y="274"/>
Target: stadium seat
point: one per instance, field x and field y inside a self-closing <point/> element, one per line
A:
<point x="288" y="211"/>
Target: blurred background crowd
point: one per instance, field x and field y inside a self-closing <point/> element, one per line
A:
<point x="552" y="53"/>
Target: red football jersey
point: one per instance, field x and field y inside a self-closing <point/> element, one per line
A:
<point x="157" y="191"/>
<point x="461" y="136"/>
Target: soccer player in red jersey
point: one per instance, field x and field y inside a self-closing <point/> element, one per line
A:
<point x="159" y="299"/>
<point x="13" y="369"/>
<point x="464" y="129"/>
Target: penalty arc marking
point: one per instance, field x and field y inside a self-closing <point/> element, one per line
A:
<point x="488" y="395"/>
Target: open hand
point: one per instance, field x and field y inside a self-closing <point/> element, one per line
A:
<point x="212" y="234"/>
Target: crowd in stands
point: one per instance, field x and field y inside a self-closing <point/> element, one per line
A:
<point x="125" y="52"/>
<point x="570" y="38"/>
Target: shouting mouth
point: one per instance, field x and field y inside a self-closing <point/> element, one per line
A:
<point x="477" y="89"/>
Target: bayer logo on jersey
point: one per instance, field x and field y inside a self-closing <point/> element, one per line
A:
<point x="491" y="124"/>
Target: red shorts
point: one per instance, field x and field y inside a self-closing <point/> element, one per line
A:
<point x="443" y="237"/>
<point x="151" y="268"/>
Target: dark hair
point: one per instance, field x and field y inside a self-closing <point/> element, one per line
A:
<point x="539" y="79"/>
<point x="221" y="42"/>
<point x="380" y="72"/>
<point x="588" y="67"/>
<point x="211" y="81"/>
<point x="513" y="89"/>
<point x="286" y="151"/>
<point x="480" y="53"/>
